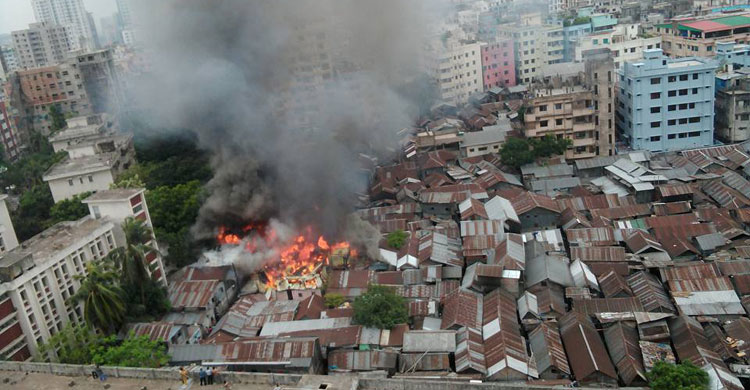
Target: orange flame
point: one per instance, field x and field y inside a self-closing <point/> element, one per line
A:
<point x="299" y="259"/>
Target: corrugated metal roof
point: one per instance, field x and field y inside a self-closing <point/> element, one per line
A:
<point x="192" y="294"/>
<point x="585" y="349"/>
<point x="739" y="329"/>
<point x="350" y="278"/>
<point x="671" y="190"/>
<point x="720" y="283"/>
<point x="482" y="228"/>
<point x="432" y="341"/>
<point x="625" y="352"/>
<point x="276" y="328"/>
<point x="597" y="253"/>
<point x="711" y="241"/>
<point x="501" y="209"/>
<point x="546" y="267"/>
<point x="547" y="348"/>
<point x="469" y="354"/>
<point x="606" y="305"/>
<point x="654" y="352"/>
<point x="455" y="193"/>
<point x="347" y="336"/>
<point x="700" y="303"/>
<point x="424" y="362"/>
<point x="599" y="236"/>
<point x="462" y="308"/>
<point x="472" y="208"/>
<point x="602" y="201"/>
<point x="510" y="253"/>
<point x="156" y="331"/>
<point x="550" y="298"/>
<point x="614" y="285"/>
<point x="690" y="271"/>
<point x="650" y="292"/>
<point x="544" y="171"/>
<point x="692" y="345"/>
<point x="528" y="307"/>
<point x="582" y="275"/>
<point x="527" y="201"/>
<point x="630" y="211"/>
<point x="734" y="267"/>
<point x="371" y="360"/>
<point x="504" y="347"/>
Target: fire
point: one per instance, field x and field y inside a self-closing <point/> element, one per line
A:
<point x="296" y="262"/>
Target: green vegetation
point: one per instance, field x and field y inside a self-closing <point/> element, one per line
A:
<point x="519" y="151"/>
<point x="145" y="298"/>
<point x="69" y="209"/>
<point x="57" y="118"/>
<point x="578" y="20"/>
<point x="102" y="297"/>
<point x="380" y="307"/>
<point x="397" y="239"/>
<point x="134" y="351"/>
<point x="683" y="376"/>
<point x="334" y="300"/>
<point x="173" y="171"/>
<point x="79" y="344"/>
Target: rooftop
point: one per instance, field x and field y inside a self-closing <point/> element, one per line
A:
<point x="69" y="167"/>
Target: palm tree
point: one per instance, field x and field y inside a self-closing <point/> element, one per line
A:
<point x="131" y="259"/>
<point x="102" y="297"/>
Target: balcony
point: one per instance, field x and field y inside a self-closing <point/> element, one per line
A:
<point x="583" y="142"/>
<point x="583" y="111"/>
<point x="588" y="126"/>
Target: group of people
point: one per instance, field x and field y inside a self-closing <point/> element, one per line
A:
<point x="206" y="377"/>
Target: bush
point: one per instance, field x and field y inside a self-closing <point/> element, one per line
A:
<point x="683" y="376"/>
<point x="334" y="300"/>
<point x="397" y="239"/>
<point x="380" y="307"/>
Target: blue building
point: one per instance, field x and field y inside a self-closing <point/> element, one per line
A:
<point x="731" y="53"/>
<point x="571" y="35"/>
<point x="666" y="104"/>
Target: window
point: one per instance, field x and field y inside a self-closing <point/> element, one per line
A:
<point x="656" y="138"/>
<point x="695" y="76"/>
<point x="558" y="106"/>
<point x="655" y="110"/>
<point x="543" y="123"/>
<point x="695" y="119"/>
<point x="683" y="106"/>
<point x="683" y="92"/>
<point x="543" y="108"/>
<point x="655" y="95"/>
<point x="671" y="136"/>
<point x="683" y="77"/>
<point x="655" y="124"/>
<point x="672" y="79"/>
<point x="691" y="105"/>
<point x="97" y="214"/>
<point x="672" y="107"/>
<point x="694" y="134"/>
<point x="683" y="121"/>
<point x="656" y="80"/>
<point x="558" y="122"/>
<point x="70" y="182"/>
<point x="671" y="122"/>
<point x="672" y="93"/>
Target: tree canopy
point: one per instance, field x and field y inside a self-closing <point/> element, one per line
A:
<point x="396" y="239"/>
<point x="519" y="151"/>
<point x="334" y="300"/>
<point x="380" y="307"/>
<point x="69" y="209"/>
<point x="102" y="297"/>
<point x="683" y="376"/>
<point x="79" y="344"/>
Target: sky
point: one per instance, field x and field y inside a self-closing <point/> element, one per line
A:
<point x="17" y="14"/>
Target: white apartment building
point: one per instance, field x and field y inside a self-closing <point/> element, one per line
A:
<point x="120" y="204"/>
<point x="42" y="44"/>
<point x="8" y="239"/>
<point x="70" y="14"/>
<point x="96" y="156"/>
<point x="535" y="47"/>
<point x="37" y="278"/>
<point x="457" y="66"/>
<point x="623" y="49"/>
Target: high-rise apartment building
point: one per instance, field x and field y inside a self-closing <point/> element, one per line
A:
<point x="535" y="46"/>
<point x="42" y="44"/>
<point x="666" y="104"/>
<point x="732" y="108"/>
<point x="699" y="36"/>
<point x="70" y="14"/>
<point x="624" y="48"/>
<point x="579" y="108"/>
<point x="457" y="66"/>
<point x="8" y="134"/>
<point x="498" y="64"/>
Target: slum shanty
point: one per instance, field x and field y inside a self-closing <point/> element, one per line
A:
<point x="587" y="271"/>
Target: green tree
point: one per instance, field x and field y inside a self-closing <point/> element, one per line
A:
<point x="71" y="345"/>
<point x="516" y="152"/>
<point x="57" y="118"/>
<point x="174" y="210"/>
<point x="380" y="307"/>
<point x="102" y="297"/>
<point x="550" y="146"/>
<point x="69" y="209"/>
<point x="134" y="351"/>
<point x="334" y="300"/>
<point x="683" y="376"/>
<point x="396" y="239"/>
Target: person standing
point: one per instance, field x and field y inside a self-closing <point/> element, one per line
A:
<point x="202" y="376"/>
<point x="184" y="375"/>
<point x="210" y="376"/>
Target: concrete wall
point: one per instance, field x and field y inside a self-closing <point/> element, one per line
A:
<point x="170" y="373"/>
<point x="62" y="188"/>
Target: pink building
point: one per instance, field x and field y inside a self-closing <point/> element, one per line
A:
<point x="498" y="66"/>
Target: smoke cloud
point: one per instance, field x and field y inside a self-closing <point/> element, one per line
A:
<point x="285" y="95"/>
